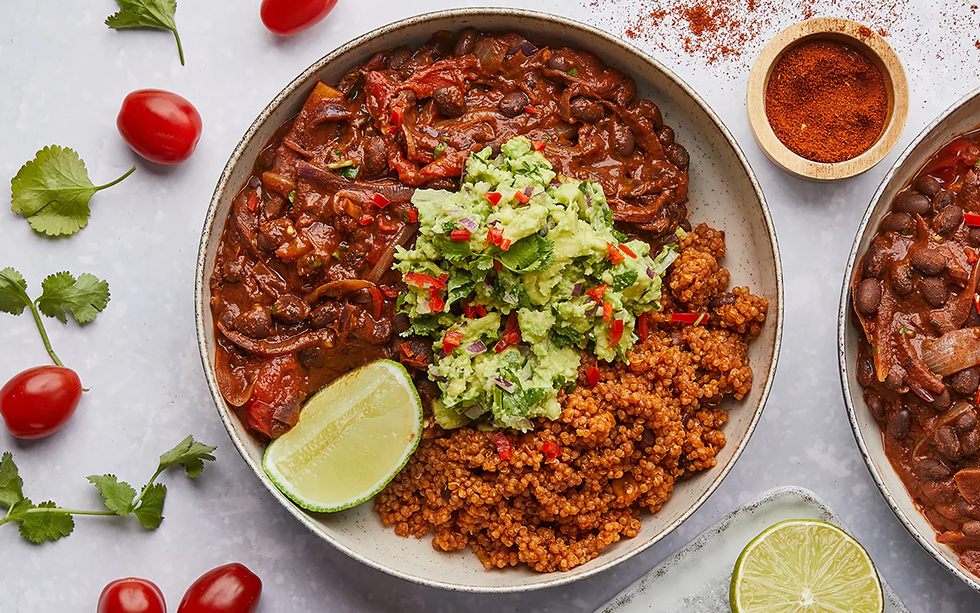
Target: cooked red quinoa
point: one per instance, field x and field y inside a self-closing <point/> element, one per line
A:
<point x="623" y="444"/>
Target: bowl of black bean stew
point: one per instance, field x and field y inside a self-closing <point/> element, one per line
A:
<point x="909" y="339"/>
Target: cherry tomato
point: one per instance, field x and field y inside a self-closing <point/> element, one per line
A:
<point x="39" y="401"/>
<point x="132" y="595"/>
<point x="231" y="588"/>
<point x="288" y="17"/>
<point x="159" y="125"/>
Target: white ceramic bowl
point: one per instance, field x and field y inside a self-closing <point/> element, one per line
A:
<point x="961" y="117"/>
<point x="723" y="192"/>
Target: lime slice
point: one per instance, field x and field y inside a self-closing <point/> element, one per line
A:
<point x="805" y="566"/>
<point x="352" y="438"/>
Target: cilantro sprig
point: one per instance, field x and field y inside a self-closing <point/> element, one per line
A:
<point x="61" y="293"/>
<point x="53" y="191"/>
<point x="158" y="14"/>
<point x="47" y="521"/>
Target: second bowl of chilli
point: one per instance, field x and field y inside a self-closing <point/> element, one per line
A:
<point x="317" y="203"/>
<point x="909" y="339"/>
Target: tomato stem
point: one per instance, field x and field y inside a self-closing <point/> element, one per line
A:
<point x="128" y="172"/>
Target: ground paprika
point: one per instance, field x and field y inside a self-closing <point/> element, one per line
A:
<point x="826" y="101"/>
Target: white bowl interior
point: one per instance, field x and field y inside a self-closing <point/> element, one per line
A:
<point x="962" y="117"/>
<point x="723" y="193"/>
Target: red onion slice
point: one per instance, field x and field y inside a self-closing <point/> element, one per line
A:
<point x="504" y="384"/>
<point x="477" y="347"/>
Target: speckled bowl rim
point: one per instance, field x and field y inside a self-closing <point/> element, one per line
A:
<point x="223" y="184"/>
<point x="927" y="541"/>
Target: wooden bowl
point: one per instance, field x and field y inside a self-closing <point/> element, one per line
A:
<point x="875" y="49"/>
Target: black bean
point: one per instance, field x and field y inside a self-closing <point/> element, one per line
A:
<point x="912" y="203"/>
<point x="397" y="58"/>
<point x="934" y="291"/>
<point x="290" y="309"/>
<point x="967" y="421"/>
<point x="227" y="318"/>
<point x="666" y="136"/>
<point x="948" y="443"/>
<point x="947" y="220"/>
<point x="974" y="236"/>
<point x="375" y="156"/>
<point x="712" y="401"/>
<point x="877" y="404"/>
<point x="931" y="469"/>
<point x="903" y="279"/>
<point x="625" y="92"/>
<point x="623" y="141"/>
<point x="678" y="156"/>
<point x="465" y="42"/>
<point x="928" y="261"/>
<point x="900" y="423"/>
<point x="970" y="443"/>
<point x="943" y="200"/>
<point x="254" y="323"/>
<point x="971" y="528"/>
<point x="325" y="314"/>
<point x="941" y="402"/>
<point x="513" y="103"/>
<point x="894" y="380"/>
<point x="449" y="100"/>
<point x="867" y="297"/>
<point x="866" y="372"/>
<point x="927" y="185"/>
<point x="587" y="109"/>
<point x="966" y="383"/>
<point x="897" y="222"/>
<point x="559" y="62"/>
<point x="875" y="260"/>
<point x="722" y="300"/>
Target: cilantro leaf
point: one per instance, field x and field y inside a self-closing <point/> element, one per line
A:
<point x="457" y="252"/>
<point x="53" y="191"/>
<point x="530" y="254"/>
<point x="118" y="494"/>
<point x="564" y="336"/>
<point x="40" y="527"/>
<point x="147" y="14"/>
<point x="188" y="453"/>
<point x="13" y="292"/>
<point x="150" y="510"/>
<point x="624" y="280"/>
<point x="11" y="485"/>
<point x="350" y="172"/>
<point x="460" y="286"/>
<point x="84" y="297"/>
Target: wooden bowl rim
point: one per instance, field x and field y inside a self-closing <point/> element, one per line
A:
<point x="865" y="39"/>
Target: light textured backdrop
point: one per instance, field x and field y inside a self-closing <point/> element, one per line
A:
<point x="63" y="75"/>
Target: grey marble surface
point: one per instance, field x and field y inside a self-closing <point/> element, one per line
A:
<point x="64" y="75"/>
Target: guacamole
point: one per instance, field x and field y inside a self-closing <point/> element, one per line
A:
<point x="513" y="276"/>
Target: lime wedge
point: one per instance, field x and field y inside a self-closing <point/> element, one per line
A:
<point x="805" y="566"/>
<point x="352" y="438"/>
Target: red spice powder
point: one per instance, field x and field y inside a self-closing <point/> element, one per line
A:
<point x="826" y="101"/>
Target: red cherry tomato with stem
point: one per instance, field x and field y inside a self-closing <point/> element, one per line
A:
<point x="132" y="595"/>
<point x="39" y="401"/>
<point x="231" y="588"/>
<point x="159" y="125"/>
<point x="288" y="17"/>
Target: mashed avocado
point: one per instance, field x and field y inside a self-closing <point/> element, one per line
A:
<point x="515" y="275"/>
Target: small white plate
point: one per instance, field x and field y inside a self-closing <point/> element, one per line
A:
<point x="697" y="577"/>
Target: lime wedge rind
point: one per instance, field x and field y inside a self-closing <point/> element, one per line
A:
<point x="805" y="566"/>
<point x="343" y="433"/>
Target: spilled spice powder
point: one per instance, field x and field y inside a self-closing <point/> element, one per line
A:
<point x="826" y="101"/>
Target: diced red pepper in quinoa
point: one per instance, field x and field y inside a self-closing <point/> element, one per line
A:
<point x="551" y="450"/>
<point x="688" y="318"/>
<point x="643" y="326"/>
<point x="592" y="375"/>
<point x="504" y="447"/>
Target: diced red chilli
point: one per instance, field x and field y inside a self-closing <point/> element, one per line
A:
<point x="505" y="244"/>
<point x="497" y="265"/>
<point x="627" y="251"/>
<point x="367" y="220"/>
<point x="390" y="291"/>
<point x="538" y="145"/>
<point x="396" y="117"/>
<point x="530" y="109"/>
<point x="493" y="198"/>
<point x="436" y="303"/>
<point x="616" y="329"/>
<point x="971" y="256"/>
<point x="380" y="200"/>
<point x="551" y="450"/>
<point x="253" y="201"/>
<point x="607" y="311"/>
<point x="412" y="215"/>
<point x="643" y="326"/>
<point x="422" y="280"/>
<point x="615" y="254"/>
<point x="596" y="293"/>
<point x="971" y="219"/>
<point x="522" y="197"/>
<point x="592" y="375"/>
<point x="460" y="235"/>
<point x="688" y="318"/>
<point x="480" y="310"/>
<point x="504" y="447"/>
